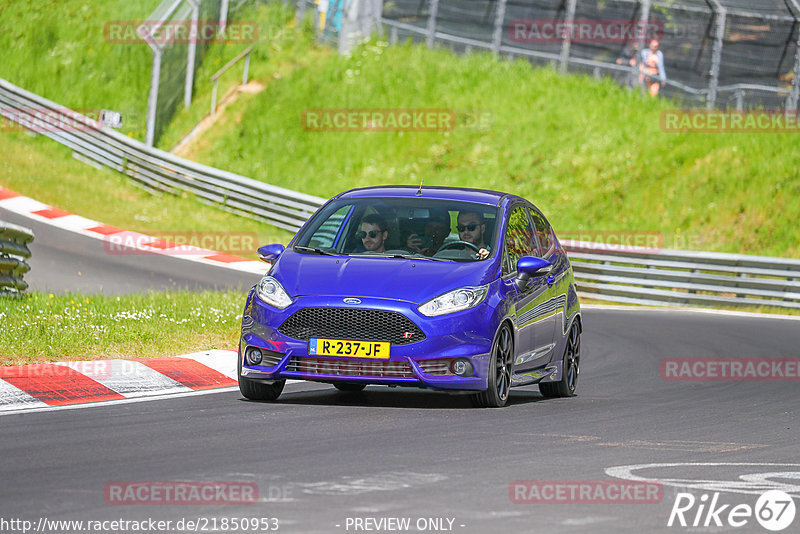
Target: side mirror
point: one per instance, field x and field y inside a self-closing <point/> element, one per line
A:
<point x="528" y="266"/>
<point x="270" y="253"/>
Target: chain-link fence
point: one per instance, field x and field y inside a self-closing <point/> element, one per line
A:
<point x="179" y="33"/>
<point x="718" y="53"/>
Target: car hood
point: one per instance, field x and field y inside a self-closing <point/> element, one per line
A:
<point x="392" y="278"/>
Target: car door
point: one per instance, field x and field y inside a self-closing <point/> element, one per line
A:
<point x="553" y="300"/>
<point x="534" y="326"/>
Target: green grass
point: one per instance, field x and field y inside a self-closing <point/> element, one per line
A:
<point x="279" y="39"/>
<point x="44" y="170"/>
<point x="589" y="153"/>
<point x="43" y="327"/>
<point x="58" y="50"/>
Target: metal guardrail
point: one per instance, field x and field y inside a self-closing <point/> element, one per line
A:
<point x="680" y="277"/>
<point x="156" y="169"/>
<point x="14" y="251"/>
<point x="641" y="276"/>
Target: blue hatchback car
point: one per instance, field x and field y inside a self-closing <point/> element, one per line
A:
<point x="458" y="290"/>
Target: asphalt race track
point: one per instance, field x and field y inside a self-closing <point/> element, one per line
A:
<point x="65" y="261"/>
<point x="322" y="459"/>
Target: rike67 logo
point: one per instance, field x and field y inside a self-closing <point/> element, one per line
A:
<point x="774" y="510"/>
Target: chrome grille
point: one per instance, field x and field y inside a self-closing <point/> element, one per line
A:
<point x="270" y="358"/>
<point x="351" y="323"/>
<point x="325" y="366"/>
<point x="436" y="367"/>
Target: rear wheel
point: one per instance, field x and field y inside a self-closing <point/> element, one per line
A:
<point x="570" y="370"/>
<point x="255" y="390"/>
<point x="496" y="395"/>
<point x="351" y="387"/>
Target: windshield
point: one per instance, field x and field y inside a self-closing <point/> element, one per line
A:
<point x="418" y="228"/>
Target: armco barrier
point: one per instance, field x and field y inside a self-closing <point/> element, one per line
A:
<point x="682" y="277"/>
<point x="13" y="253"/>
<point x="663" y="277"/>
<point x="153" y="168"/>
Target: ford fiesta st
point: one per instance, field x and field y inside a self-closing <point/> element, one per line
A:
<point x="458" y="290"/>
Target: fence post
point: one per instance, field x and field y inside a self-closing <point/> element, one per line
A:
<point x="739" y="100"/>
<point x="152" y="98"/>
<point x="716" y="56"/>
<point x="643" y="21"/>
<point x="223" y="15"/>
<point x="568" y="23"/>
<point x="301" y="11"/>
<point x="191" y="54"/>
<point x="791" y="104"/>
<point x="497" y="37"/>
<point x="432" y="23"/>
<point x="246" y="68"/>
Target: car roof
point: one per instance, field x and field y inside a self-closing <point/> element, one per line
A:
<point x="482" y="196"/>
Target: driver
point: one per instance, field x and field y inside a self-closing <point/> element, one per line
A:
<point x="471" y="228"/>
<point x="437" y="228"/>
<point x="373" y="232"/>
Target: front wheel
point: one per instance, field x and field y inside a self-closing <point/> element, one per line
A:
<point x="496" y="395"/>
<point x="254" y="390"/>
<point x="570" y="368"/>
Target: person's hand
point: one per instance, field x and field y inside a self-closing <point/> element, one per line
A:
<point x="414" y="242"/>
<point x="482" y="254"/>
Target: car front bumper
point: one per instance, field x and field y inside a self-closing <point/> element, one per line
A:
<point x="462" y="335"/>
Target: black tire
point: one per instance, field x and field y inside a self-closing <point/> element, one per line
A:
<point x="351" y="387"/>
<point x="500" y="364"/>
<point x="571" y="368"/>
<point x="255" y="390"/>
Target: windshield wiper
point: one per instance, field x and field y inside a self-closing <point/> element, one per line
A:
<point x="317" y="250"/>
<point x="415" y="257"/>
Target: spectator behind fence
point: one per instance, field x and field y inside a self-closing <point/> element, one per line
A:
<point x="629" y="57"/>
<point x="652" y="67"/>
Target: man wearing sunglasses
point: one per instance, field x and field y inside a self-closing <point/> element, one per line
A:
<point x="373" y="232"/>
<point x="471" y="228"/>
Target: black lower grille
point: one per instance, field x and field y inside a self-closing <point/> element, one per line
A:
<point x="351" y="323"/>
<point x="326" y="366"/>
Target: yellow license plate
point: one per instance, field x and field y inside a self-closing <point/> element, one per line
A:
<point x="349" y="349"/>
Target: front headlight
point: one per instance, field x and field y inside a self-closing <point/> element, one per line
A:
<point x="456" y="300"/>
<point x="271" y="291"/>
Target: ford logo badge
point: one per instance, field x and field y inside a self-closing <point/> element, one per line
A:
<point x="352" y="301"/>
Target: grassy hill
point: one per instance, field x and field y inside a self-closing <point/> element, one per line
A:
<point x="592" y="155"/>
<point x="58" y="50"/>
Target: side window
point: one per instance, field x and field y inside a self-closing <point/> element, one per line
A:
<point x="544" y="232"/>
<point x="326" y="234"/>
<point x="519" y="236"/>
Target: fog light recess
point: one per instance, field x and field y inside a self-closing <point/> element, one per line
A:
<point x="253" y="355"/>
<point x="462" y="367"/>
